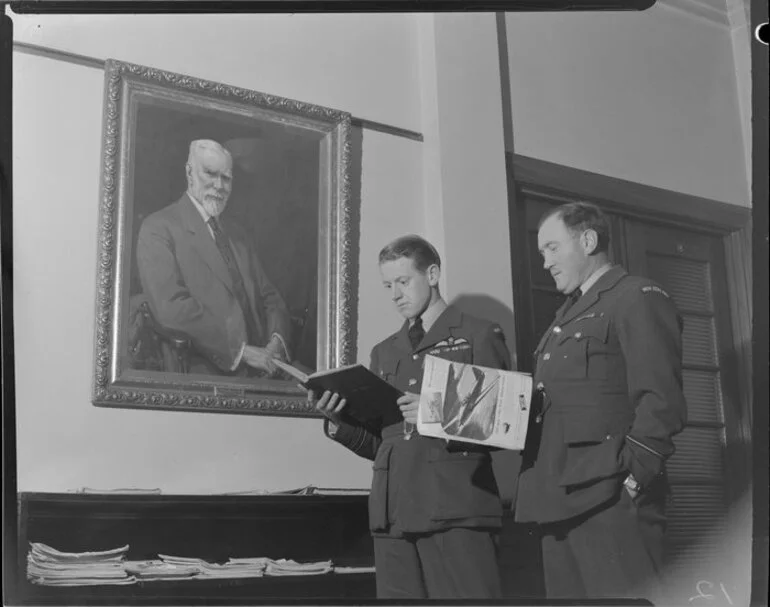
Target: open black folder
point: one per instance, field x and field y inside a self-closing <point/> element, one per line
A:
<point x="370" y="399"/>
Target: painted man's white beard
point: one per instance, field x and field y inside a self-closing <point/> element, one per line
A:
<point x="214" y="207"/>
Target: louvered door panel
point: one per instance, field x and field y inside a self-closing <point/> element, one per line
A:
<point x="698" y="455"/>
<point x="687" y="266"/>
<point x="702" y="389"/>
<point x="699" y="341"/>
<point x="688" y="280"/>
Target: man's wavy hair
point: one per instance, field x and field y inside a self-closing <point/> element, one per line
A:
<point x="412" y="247"/>
<point x="582" y="216"/>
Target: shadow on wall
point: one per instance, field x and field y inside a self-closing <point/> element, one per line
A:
<point x="506" y="462"/>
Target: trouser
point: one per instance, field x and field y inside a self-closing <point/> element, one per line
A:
<point x="451" y="564"/>
<point x="613" y="551"/>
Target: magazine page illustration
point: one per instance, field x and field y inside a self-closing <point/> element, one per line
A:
<point x="471" y="403"/>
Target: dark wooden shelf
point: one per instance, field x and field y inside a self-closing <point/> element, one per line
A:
<point x="214" y="528"/>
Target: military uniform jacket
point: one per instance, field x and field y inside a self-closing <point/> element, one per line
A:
<point x="424" y="484"/>
<point x="609" y="398"/>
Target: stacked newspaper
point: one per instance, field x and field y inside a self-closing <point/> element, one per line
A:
<point x="354" y="569"/>
<point x="169" y="567"/>
<point x="289" y="567"/>
<point x="50" y="567"/>
<point x="233" y="568"/>
<point x="158" y="570"/>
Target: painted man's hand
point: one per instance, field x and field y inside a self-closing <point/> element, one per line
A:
<point x="259" y="358"/>
<point x="275" y="349"/>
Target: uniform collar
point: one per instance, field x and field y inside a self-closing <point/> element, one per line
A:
<point x="608" y="279"/>
<point x="449" y="318"/>
<point x="591" y="281"/>
<point x="605" y="281"/>
<point x="432" y="313"/>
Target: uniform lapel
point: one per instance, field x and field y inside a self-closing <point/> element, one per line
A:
<point x="401" y="339"/>
<point x="449" y="319"/>
<point x="203" y="241"/>
<point x="608" y="280"/>
<point x="547" y="332"/>
<point x="565" y="314"/>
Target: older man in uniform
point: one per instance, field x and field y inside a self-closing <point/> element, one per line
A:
<point x="609" y="380"/>
<point x="434" y="507"/>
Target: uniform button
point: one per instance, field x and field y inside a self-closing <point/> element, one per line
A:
<point x="412" y="381"/>
<point x="415" y="356"/>
<point x="557" y="330"/>
<point x="608" y="437"/>
<point x="465" y="453"/>
<point x="547" y="356"/>
<point x="578" y="335"/>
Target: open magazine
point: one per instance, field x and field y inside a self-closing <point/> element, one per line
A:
<point x="475" y="404"/>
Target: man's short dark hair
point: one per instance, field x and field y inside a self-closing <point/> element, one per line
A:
<point x="413" y="247"/>
<point x="582" y="216"/>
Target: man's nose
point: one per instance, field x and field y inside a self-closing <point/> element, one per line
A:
<point x="396" y="293"/>
<point x="547" y="262"/>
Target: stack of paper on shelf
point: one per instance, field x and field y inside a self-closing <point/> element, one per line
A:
<point x="157" y="570"/>
<point x="339" y="491"/>
<point x="354" y="569"/>
<point x="289" y="567"/>
<point x="51" y="567"/>
<point x="233" y="568"/>
<point x="119" y="491"/>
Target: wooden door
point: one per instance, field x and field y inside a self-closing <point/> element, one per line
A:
<point x="709" y="471"/>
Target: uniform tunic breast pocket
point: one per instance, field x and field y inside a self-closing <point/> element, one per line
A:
<point x="582" y="351"/>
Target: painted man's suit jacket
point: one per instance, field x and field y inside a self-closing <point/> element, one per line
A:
<point x="609" y="395"/>
<point x="424" y="484"/>
<point x="190" y="289"/>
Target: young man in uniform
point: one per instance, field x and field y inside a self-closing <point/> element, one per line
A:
<point x="609" y="399"/>
<point x="434" y="509"/>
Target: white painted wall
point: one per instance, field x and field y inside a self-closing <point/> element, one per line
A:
<point x="648" y="97"/>
<point x="644" y="96"/>
<point x="466" y="196"/>
<point x="361" y="64"/>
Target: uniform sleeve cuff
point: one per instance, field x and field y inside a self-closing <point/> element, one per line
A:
<point x="330" y="428"/>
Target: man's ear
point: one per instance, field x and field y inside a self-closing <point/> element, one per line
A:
<point x="434" y="273"/>
<point x="589" y="240"/>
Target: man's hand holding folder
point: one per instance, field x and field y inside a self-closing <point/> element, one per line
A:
<point x="359" y="394"/>
<point x="330" y="405"/>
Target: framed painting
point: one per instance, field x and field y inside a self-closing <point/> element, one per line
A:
<point x="227" y="238"/>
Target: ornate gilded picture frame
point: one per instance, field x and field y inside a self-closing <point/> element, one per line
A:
<point x="186" y="309"/>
